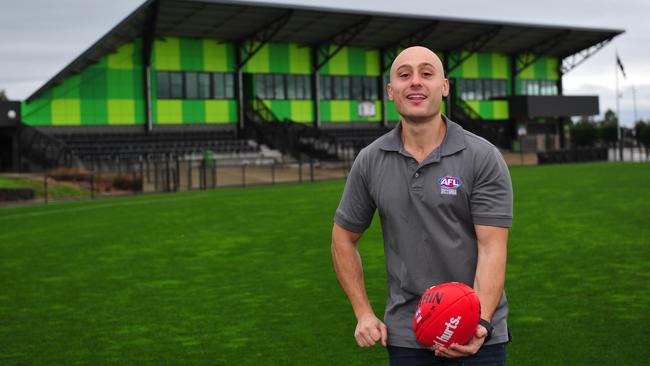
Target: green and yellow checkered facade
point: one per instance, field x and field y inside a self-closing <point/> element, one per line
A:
<point x="111" y="91"/>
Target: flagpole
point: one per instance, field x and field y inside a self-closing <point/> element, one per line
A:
<point x="634" y="101"/>
<point x="618" y="115"/>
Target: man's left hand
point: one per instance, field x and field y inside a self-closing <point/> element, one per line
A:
<point x="456" y="350"/>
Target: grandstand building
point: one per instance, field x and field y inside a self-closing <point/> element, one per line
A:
<point x="178" y="76"/>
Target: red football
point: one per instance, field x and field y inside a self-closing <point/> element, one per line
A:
<point x="447" y="313"/>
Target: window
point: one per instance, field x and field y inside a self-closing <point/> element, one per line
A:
<point x="370" y="89"/>
<point x="268" y="83"/>
<point x="291" y="87"/>
<point x="487" y="89"/>
<point x="303" y="87"/>
<point x="204" y="86"/>
<point x="176" y="85"/>
<point x="219" y="86"/>
<point x="264" y="86"/>
<point x="326" y="87"/>
<point x="163" y="85"/>
<point x="278" y="81"/>
<point x="548" y="87"/>
<point x="223" y="86"/>
<point x="471" y="89"/>
<point x="539" y="87"/>
<point x="195" y="85"/>
<point x="502" y="88"/>
<point x="341" y="88"/>
<point x="532" y="87"/>
<point x="349" y="87"/>
<point x="191" y="85"/>
<point x="281" y="86"/>
<point x="260" y="86"/>
<point x="482" y="89"/>
<point x="230" y="86"/>
<point x="357" y="88"/>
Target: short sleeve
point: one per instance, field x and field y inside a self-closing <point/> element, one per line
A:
<point x="357" y="207"/>
<point x="491" y="200"/>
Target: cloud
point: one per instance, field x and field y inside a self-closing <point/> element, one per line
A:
<point x="38" y="44"/>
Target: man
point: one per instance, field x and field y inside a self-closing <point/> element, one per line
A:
<point x="445" y="201"/>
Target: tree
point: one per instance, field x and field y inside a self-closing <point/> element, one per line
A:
<point x="610" y="116"/>
<point x="638" y="131"/>
<point x="609" y="128"/>
<point x="3" y="96"/>
<point x="584" y="133"/>
<point x="642" y="132"/>
<point x="609" y="132"/>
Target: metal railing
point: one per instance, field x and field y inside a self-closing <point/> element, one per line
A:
<point x="299" y="140"/>
<point x="44" y="150"/>
<point x="462" y="110"/>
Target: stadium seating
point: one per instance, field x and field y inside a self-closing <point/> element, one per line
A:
<point x="129" y="145"/>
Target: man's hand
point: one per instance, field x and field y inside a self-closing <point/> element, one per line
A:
<point x="370" y="330"/>
<point x="456" y="350"/>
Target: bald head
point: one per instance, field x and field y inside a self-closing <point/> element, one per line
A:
<point x="417" y="85"/>
<point x="416" y="56"/>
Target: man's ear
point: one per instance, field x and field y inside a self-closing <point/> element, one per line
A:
<point x="389" y="90"/>
<point x="445" y="88"/>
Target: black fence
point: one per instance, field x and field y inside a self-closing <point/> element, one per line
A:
<point x="572" y="155"/>
<point x="166" y="174"/>
<point x="170" y="175"/>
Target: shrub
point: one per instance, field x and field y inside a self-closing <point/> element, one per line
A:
<point x="126" y="183"/>
<point x="70" y="174"/>
<point x="16" y="194"/>
<point x="584" y="133"/>
<point x="609" y="132"/>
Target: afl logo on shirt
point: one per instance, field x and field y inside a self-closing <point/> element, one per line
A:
<point x="449" y="184"/>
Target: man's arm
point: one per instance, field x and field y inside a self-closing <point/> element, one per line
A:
<point x="491" y="267"/>
<point x="488" y="283"/>
<point x="349" y="271"/>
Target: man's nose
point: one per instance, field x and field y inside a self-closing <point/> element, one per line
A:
<point x="416" y="82"/>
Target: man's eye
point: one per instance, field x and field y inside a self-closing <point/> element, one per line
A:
<point x="427" y="74"/>
<point x="403" y="75"/>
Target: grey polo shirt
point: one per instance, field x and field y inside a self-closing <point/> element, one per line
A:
<point x="427" y="213"/>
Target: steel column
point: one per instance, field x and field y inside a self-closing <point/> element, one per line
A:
<point x="147" y="48"/>
<point x="449" y="98"/>
<point x="239" y="90"/>
<point x="315" y="85"/>
<point x="513" y="75"/>
<point x="382" y="89"/>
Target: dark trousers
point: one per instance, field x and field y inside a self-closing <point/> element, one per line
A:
<point x="492" y="355"/>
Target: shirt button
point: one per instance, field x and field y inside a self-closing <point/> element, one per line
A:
<point x="417" y="175"/>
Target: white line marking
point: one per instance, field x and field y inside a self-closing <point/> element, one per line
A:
<point x="119" y="201"/>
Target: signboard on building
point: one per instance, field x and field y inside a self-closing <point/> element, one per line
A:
<point x="367" y="109"/>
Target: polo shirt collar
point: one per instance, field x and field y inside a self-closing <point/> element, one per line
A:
<point x="453" y="142"/>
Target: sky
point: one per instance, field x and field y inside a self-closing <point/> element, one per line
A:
<point x="38" y="38"/>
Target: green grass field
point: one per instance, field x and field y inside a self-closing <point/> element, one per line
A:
<point x="244" y="276"/>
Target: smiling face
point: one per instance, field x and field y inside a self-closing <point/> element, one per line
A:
<point x="417" y="84"/>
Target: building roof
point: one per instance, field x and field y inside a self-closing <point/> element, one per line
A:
<point x="308" y="25"/>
